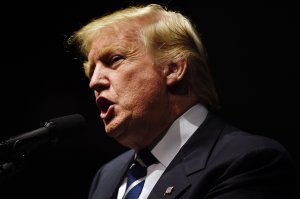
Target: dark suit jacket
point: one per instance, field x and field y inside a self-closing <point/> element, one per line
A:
<point x="219" y="161"/>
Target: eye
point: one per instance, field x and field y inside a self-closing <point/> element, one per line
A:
<point x="115" y="60"/>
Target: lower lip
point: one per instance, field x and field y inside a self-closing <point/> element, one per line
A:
<point x="108" y="113"/>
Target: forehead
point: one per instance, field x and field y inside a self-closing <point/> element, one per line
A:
<point x="115" y="37"/>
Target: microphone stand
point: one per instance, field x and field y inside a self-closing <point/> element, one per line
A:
<point x="12" y="159"/>
<point x="10" y="168"/>
<point x="14" y="150"/>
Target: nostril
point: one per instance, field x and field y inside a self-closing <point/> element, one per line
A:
<point x="99" y="84"/>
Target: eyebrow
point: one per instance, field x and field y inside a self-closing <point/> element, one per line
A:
<point x="103" y="52"/>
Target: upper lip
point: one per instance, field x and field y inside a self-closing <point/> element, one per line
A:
<point x="103" y="103"/>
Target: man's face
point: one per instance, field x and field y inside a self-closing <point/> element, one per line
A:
<point x="130" y="90"/>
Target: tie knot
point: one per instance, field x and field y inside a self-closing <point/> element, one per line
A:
<point x="145" y="158"/>
<point x="137" y="174"/>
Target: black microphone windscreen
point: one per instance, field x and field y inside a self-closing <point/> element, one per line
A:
<point x="63" y="126"/>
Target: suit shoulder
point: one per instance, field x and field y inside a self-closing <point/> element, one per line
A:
<point x="234" y="137"/>
<point x="234" y="141"/>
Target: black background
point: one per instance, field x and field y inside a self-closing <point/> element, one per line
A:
<point x="253" y="52"/>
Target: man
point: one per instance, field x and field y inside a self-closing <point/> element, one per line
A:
<point x="148" y="69"/>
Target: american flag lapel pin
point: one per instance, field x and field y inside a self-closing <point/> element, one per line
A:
<point x="169" y="190"/>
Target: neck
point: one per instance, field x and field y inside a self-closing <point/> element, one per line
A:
<point x="179" y="105"/>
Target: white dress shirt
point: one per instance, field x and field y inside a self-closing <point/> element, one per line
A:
<point x="167" y="148"/>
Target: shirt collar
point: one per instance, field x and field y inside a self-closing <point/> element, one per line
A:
<point x="179" y="132"/>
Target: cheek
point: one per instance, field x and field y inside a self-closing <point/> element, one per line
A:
<point x="150" y="96"/>
<point x="141" y="92"/>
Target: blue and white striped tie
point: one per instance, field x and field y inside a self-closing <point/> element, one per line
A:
<point x="136" y="174"/>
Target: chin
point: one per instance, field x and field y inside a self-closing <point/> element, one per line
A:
<point x="112" y="132"/>
<point x="115" y="130"/>
<point x="123" y="137"/>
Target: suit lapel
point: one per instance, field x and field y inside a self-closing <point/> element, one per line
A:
<point x="171" y="184"/>
<point x="191" y="158"/>
<point x="194" y="154"/>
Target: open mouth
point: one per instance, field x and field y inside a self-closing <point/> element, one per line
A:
<point x="105" y="107"/>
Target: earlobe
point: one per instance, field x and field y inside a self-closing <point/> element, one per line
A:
<point x="175" y="71"/>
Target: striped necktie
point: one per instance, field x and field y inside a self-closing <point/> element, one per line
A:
<point x="136" y="174"/>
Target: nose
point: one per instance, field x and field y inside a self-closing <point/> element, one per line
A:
<point x="99" y="81"/>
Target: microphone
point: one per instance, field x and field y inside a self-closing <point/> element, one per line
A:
<point x="52" y="131"/>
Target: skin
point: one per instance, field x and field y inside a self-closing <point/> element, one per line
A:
<point x="123" y="73"/>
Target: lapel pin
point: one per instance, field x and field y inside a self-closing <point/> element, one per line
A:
<point x="169" y="190"/>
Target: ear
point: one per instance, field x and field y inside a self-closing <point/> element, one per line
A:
<point x="174" y="71"/>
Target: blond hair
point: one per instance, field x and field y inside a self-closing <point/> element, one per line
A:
<point x="167" y="35"/>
